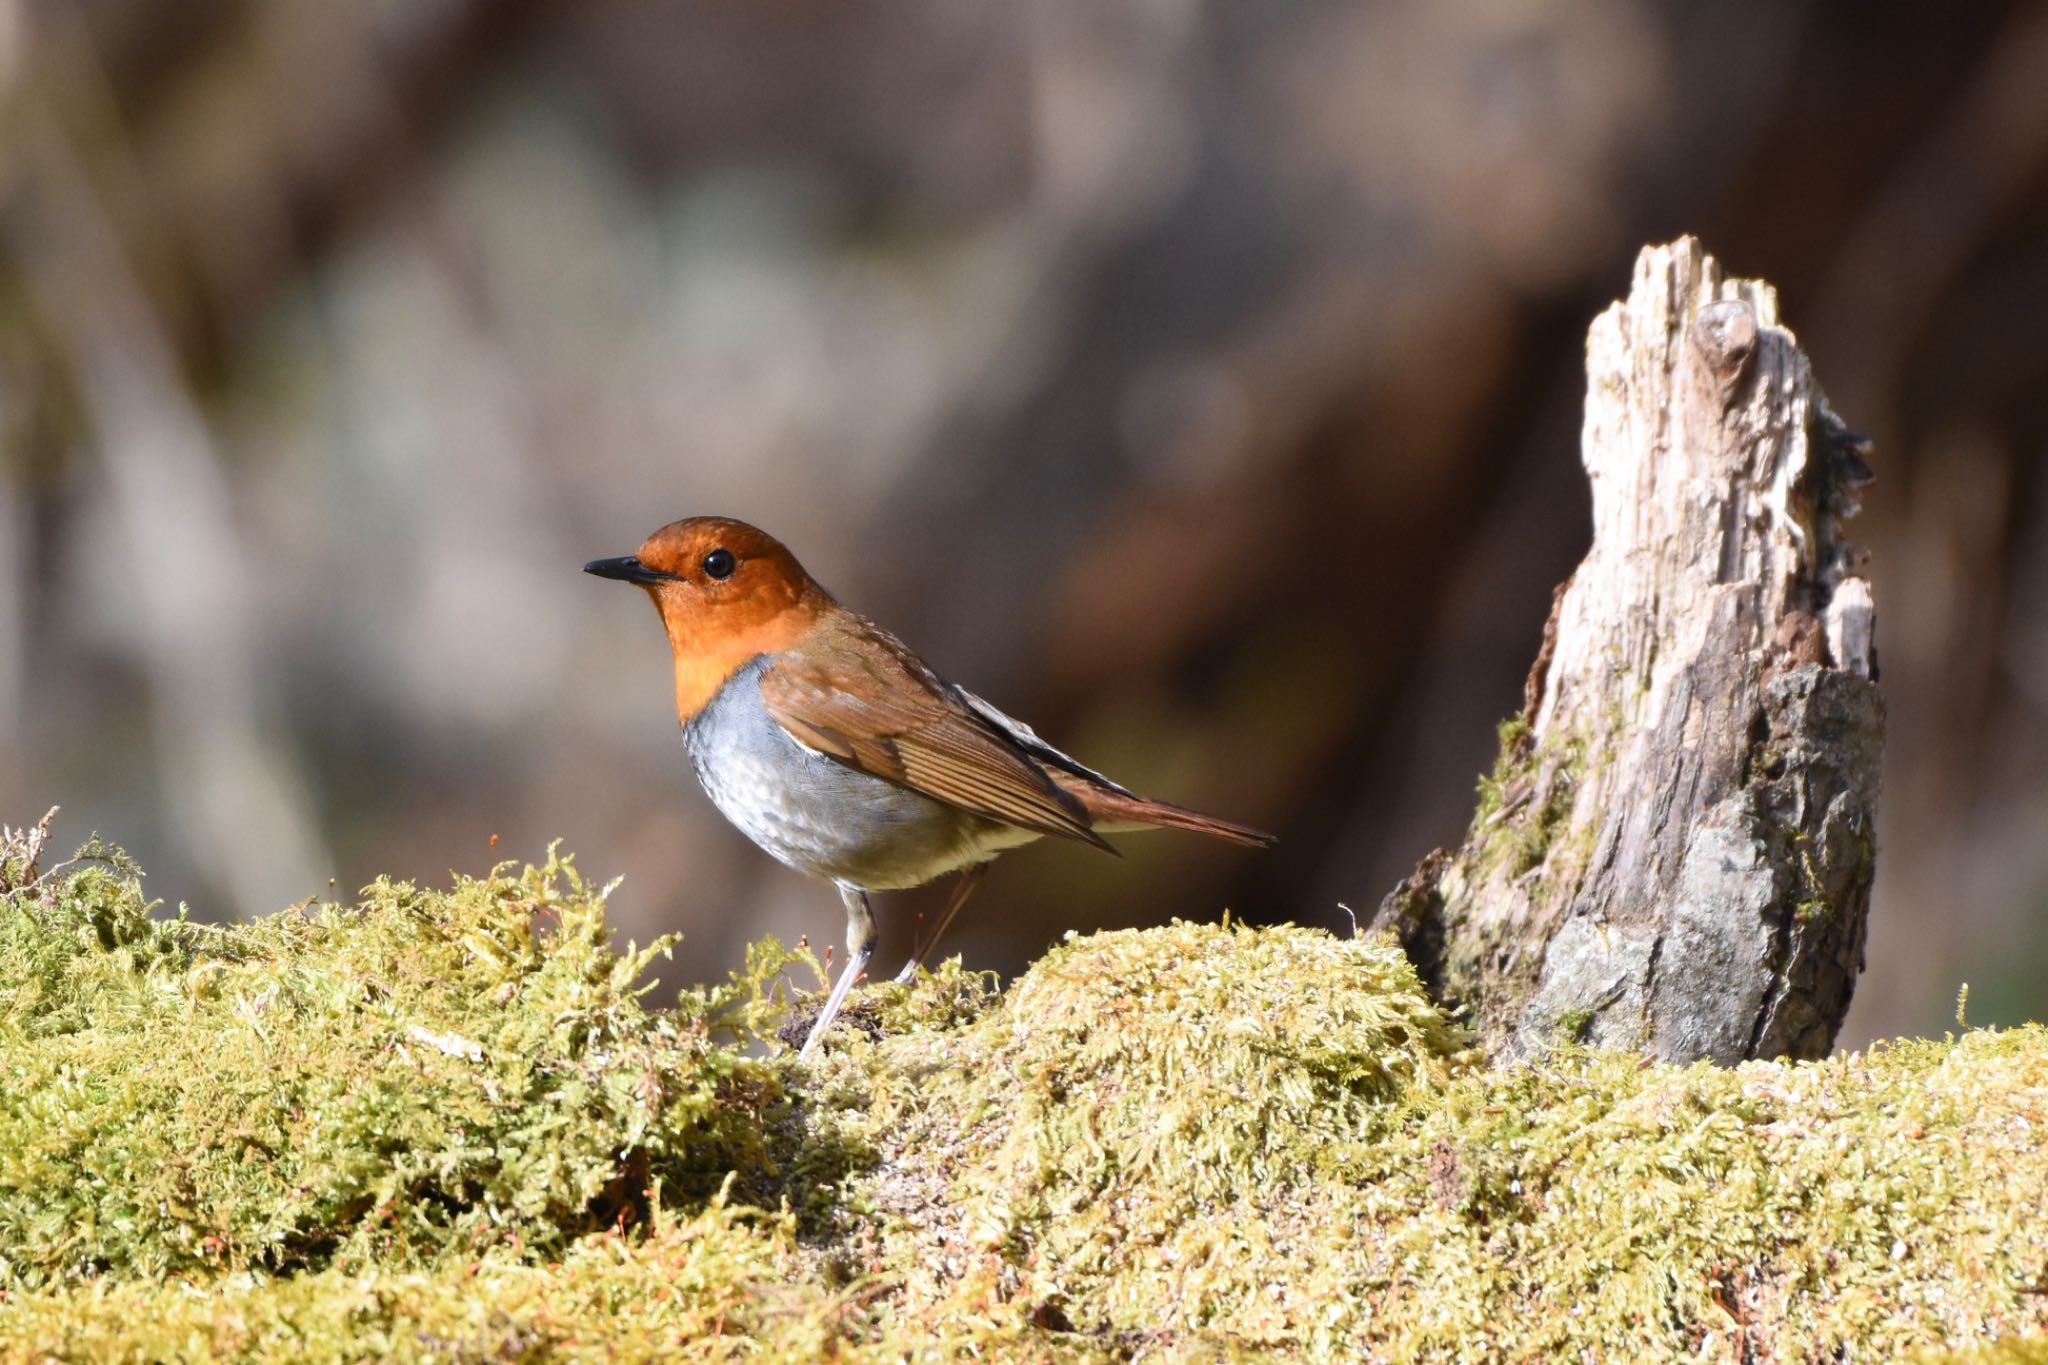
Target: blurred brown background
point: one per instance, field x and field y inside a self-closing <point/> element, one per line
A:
<point x="1199" y="381"/>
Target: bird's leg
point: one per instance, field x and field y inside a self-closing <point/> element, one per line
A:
<point x="861" y="936"/>
<point x="957" y="897"/>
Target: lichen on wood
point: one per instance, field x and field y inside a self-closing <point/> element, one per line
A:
<point x="1675" y="851"/>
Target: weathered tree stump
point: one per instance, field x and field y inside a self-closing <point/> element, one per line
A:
<point x="1674" y="853"/>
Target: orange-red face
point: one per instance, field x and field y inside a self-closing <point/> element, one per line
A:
<point x="726" y="591"/>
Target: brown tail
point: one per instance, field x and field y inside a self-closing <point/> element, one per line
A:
<point x="1109" y="809"/>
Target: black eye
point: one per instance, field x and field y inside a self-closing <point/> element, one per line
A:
<point x="719" y="564"/>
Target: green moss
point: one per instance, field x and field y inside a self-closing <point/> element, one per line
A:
<point x="1814" y="906"/>
<point x="1268" y="1139"/>
<point x="1526" y="802"/>
<point x="1534" y="834"/>
<point x="386" y="1083"/>
<point x="720" y="1285"/>
<point x="1571" y="1025"/>
<point x="1510" y="763"/>
<point x="2031" y="1350"/>
<point x="446" y="1126"/>
<point x="1111" y="1128"/>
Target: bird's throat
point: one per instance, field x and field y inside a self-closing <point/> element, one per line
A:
<point x="705" y="659"/>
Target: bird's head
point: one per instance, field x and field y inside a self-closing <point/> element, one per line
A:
<point x="726" y="591"/>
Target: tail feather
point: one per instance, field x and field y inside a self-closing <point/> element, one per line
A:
<point x="1109" y="810"/>
<point x="1110" y="806"/>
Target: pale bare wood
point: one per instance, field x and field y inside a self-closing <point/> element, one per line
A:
<point x="1675" y="854"/>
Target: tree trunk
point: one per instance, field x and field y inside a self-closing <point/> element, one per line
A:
<point x="1674" y="852"/>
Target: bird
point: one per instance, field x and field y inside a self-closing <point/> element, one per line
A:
<point x="840" y="752"/>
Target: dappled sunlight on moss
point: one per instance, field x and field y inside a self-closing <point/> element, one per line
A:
<point x="2016" y="1351"/>
<point x="422" y="1073"/>
<point x="1270" y="1138"/>
<point x="449" y="1125"/>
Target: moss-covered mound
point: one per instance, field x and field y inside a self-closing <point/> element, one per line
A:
<point x="445" y="1126"/>
<point x="1267" y="1139"/>
<point x="381" y="1084"/>
<point x="1138" y="1120"/>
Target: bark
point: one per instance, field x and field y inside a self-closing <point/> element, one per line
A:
<point x="1674" y="853"/>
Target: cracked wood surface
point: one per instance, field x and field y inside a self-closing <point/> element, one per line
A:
<point x="1675" y="852"/>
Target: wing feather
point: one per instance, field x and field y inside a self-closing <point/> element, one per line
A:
<point x="868" y="702"/>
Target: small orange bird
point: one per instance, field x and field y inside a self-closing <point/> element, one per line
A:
<point x="839" y="751"/>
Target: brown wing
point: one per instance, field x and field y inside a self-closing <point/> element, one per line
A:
<point x="868" y="702"/>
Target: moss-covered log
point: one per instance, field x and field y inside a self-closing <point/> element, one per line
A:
<point x="443" y="1125"/>
<point x="1675" y="853"/>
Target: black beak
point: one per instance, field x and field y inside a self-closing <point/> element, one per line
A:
<point x="627" y="569"/>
